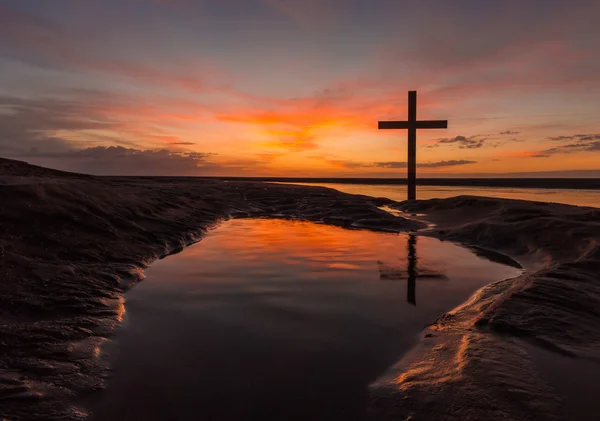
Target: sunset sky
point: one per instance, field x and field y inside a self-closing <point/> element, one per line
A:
<point x="296" y="87"/>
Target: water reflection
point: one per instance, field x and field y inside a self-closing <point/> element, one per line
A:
<point x="411" y="289"/>
<point x="413" y="270"/>
<point x="280" y="320"/>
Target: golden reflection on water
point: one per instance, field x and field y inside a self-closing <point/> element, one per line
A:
<point x="282" y="320"/>
<point x="271" y="252"/>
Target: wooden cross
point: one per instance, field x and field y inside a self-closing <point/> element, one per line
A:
<point x="412" y="125"/>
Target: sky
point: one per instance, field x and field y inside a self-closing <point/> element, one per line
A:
<point x="296" y="87"/>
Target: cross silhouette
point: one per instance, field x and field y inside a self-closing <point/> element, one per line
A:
<point x="412" y="125"/>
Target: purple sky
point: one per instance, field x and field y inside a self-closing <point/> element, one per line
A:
<point x="290" y="87"/>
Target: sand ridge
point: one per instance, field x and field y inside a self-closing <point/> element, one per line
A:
<point x="71" y="244"/>
<point x="473" y="363"/>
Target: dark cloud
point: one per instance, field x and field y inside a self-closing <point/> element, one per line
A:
<point x="29" y="130"/>
<point x="472" y="142"/>
<point x="43" y="42"/>
<point x="117" y="160"/>
<point x="183" y="143"/>
<point x="30" y="127"/>
<point x="584" y="145"/>
<point x="508" y="132"/>
<point x="389" y="164"/>
<point x="439" y="164"/>
<point x="579" y="137"/>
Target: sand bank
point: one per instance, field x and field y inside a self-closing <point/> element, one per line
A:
<point x="477" y="362"/>
<point x="71" y="244"/>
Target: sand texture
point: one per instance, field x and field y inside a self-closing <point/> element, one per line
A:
<point x="71" y="244"/>
<point x="473" y="363"/>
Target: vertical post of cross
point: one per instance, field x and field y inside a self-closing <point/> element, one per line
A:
<point x="412" y="145"/>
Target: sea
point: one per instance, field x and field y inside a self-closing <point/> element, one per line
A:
<point x="577" y="197"/>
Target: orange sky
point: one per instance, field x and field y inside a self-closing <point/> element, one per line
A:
<point x="285" y="88"/>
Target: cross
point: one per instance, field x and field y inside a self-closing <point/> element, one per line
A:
<point x="412" y="125"/>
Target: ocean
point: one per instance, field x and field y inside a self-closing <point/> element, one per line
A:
<point x="579" y="197"/>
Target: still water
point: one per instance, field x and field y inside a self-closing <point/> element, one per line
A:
<point x="398" y="192"/>
<point x="280" y="320"/>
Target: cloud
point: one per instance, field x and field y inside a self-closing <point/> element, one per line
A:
<point x="439" y="164"/>
<point x="117" y="160"/>
<point x="472" y="142"/>
<point x="341" y="85"/>
<point x="584" y="143"/>
<point x="35" y="40"/>
<point x="297" y="124"/>
<point x="340" y="163"/>
<point x="87" y="118"/>
<point x="580" y="137"/>
<point x="30" y="125"/>
<point x="311" y="14"/>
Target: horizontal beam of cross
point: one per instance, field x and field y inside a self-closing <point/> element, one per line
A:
<point x="423" y="124"/>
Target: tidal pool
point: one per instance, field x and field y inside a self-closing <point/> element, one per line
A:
<point x="280" y="320"/>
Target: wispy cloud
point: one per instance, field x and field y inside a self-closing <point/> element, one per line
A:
<point x="117" y="160"/>
<point x="49" y="44"/>
<point x="439" y="164"/>
<point x="463" y="142"/>
<point x="340" y="163"/>
<point x="578" y="137"/>
<point x="570" y="148"/>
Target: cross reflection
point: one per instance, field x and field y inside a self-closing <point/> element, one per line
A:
<point x="411" y="289"/>
<point x="412" y="272"/>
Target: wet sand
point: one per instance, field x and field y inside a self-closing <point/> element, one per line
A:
<point x="573" y="379"/>
<point x="479" y="367"/>
<point x="71" y="245"/>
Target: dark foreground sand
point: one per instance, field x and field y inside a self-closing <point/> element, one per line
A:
<point x="488" y="359"/>
<point x="71" y="244"/>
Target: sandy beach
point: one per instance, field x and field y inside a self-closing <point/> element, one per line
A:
<point x="484" y="359"/>
<point x="71" y="244"/>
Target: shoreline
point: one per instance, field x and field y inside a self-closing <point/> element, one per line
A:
<point x="468" y="355"/>
<point x="72" y="244"/>
<point x="577" y="183"/>
<point x="58" y="307"/>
